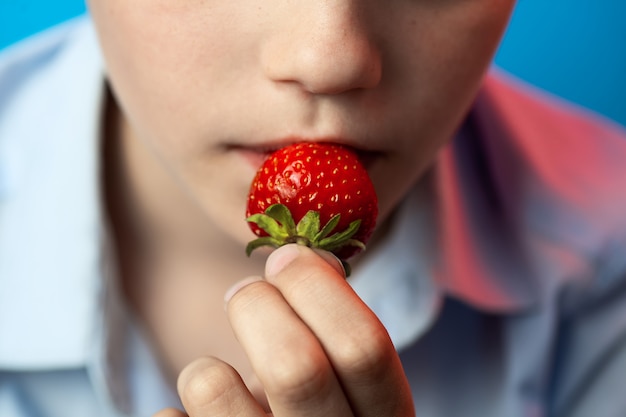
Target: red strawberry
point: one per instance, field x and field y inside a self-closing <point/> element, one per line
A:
<point x="315" y="194"/>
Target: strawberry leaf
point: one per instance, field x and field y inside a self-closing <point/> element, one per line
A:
<point x="262" y="241"/>
<point x="309" y="225"/>
<point x="269" y="225"/>
<point x="328" y="227"/>
<point x="281" y="214"/>
<point x="341" y="238"/>
<point x="333" y="246"/>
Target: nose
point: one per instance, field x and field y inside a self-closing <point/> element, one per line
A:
<point x="323" y="46"/>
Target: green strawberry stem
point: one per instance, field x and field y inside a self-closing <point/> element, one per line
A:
<point x="281" y="228"/>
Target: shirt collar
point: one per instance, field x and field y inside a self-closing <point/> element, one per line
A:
<point x="482" y="257"/>
<point x="396" y="278"/>
<point x="50" y="204"/>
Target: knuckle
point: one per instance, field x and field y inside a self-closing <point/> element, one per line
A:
<point x="366" y="356"/>
<point x="250" y="297"/>
<point x="207" y="381"/>
<point x="299" y="378"/>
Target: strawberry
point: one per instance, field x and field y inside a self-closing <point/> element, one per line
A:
<point x="315" y="194"/>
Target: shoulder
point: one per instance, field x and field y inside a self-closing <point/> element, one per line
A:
<point x="37" y="72"/>
<point x="555" y="136"/>
<point x="531" y="115"/>
<point x="49" y="84"/>
<point x="42" y="47"/>
<point x="32" y="57"/>
<point x="576" y="157"/>
<point x="562" y="170"/>
<point x="51" y="89"/>
<point x="536" y="190"/>
<point x="572" y="157"/>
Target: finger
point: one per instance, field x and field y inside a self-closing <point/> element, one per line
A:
<point x="353" y="338"/>
<point x="209" y="387"/>
<point x="170" y="412"/>
<point x="258" y="391"/>
<point x="287" y="358"/>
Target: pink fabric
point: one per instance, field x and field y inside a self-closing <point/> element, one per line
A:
<point x="533" y="190"/>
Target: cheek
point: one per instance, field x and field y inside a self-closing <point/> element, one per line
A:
<point x="163" y="57"/>
<point x="445" y="49"/>
<point x="471" y="40"/>
<point x="139" y="55"/>
<point x="452" y="45"/>
<point x="437" y="71"/>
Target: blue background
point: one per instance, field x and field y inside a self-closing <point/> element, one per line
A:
<point x="573" y="48"/>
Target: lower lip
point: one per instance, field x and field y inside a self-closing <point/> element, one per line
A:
<point x="254" y="158"/>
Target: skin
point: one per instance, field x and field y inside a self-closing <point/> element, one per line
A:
<point x="201" y="90"/>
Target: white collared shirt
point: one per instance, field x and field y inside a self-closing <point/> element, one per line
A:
<point x="502" y="284"/>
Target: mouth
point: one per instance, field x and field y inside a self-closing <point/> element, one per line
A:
<point x="255" y="155"/>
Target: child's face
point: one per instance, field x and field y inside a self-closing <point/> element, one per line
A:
<point x="210" y="85"/>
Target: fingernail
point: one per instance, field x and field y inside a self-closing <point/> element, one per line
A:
<point x="280" y="258"/>
<point x="238" y="286"/>
<point x="332" y="260"/>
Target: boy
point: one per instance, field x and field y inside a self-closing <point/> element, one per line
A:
<point x="494" y="285"/>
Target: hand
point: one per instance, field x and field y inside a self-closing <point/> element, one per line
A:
<point x="315" y="347"/>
